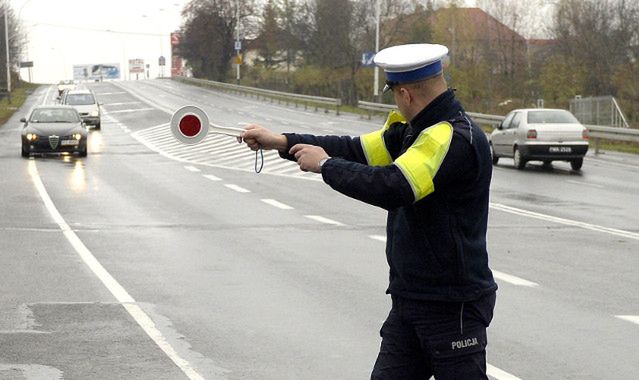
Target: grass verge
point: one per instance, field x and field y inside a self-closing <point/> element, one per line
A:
<point x="18" y="96"/>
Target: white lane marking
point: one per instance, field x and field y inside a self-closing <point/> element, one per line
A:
<point x="120" y="294"/>
<point x="212" y="177"/>
<point x="585" y="184"/>
<point x="237" y="188"/>
<point x="587" y="226"/>
<point x="322" y="219"/>
<point x="121" y="104"/>
<point x="192" y="169"/>
<point x="378" y="237"/>
<point x="277" y="204"/>
<point x="132" y="110"/>
<point x="499" y="374"/>
<point x="513" y="279"/>
<point x="629" y="318"/>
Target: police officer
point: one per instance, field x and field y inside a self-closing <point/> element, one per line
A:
<point x="430" y="167"/>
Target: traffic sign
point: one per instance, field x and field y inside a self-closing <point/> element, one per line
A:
<point x="26" y="64"/>
<point x="162" y="61"/>
<point x="367" y="59"/>
<point x="238" y="45"/>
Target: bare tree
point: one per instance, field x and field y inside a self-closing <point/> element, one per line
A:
<point x="601" y="35"/>
<point x="17" y="41"/>
<point x="209" y="33"/>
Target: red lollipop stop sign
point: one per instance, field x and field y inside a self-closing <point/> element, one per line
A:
<point x="189" y="125"/>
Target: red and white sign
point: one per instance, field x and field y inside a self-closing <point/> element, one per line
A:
<point x="136" y="66"/>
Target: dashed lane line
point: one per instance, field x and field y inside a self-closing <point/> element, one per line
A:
<point x="192" y="169"/>
<point x="499" y="374"/>
<point x="324" y="220"/>
<point x="237" y="188"/>
<point x="587" y="226"/>
<point x="378" y="238"/>
<point x="133" y="110"/>
<point x="514" y="280"/>
<point x="630" y="318"/>
<point x="212" y="177"/>
<point x="277" y="204"/>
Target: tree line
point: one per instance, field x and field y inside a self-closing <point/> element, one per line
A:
<point x="315" y="47"/>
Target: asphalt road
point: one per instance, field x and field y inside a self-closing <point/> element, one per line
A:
<point x="152" y="260"/>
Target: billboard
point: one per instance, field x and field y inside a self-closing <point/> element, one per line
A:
<point x="96" y="71"/>
<point x="136" y="66"/>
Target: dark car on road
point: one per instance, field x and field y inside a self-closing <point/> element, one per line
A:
<point x="53" y="129"/>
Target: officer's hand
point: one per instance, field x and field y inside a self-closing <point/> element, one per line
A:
<point x="257" y="137"/>
<point x="308" y="157"/>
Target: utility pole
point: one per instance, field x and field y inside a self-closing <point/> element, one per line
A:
<point x="376" y="69"/>
<point x="237" y="41"/>
<point x="6" y="43"/>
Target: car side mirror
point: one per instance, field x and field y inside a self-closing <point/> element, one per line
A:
<point x="23" y="120"/>
<point x="500" y="126"/>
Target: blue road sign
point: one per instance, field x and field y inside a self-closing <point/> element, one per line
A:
<point x="367" y="59"/>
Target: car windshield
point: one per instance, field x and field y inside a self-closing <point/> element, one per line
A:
<point x="53" y="115"/>
<point x="79" y="99"/>
<point x="551" y="117"/>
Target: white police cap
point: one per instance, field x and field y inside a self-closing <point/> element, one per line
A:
<point x="410" y="63"/>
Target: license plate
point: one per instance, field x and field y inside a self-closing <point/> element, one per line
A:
<point x="560" y="149"/>
<point x="69" y="142"/>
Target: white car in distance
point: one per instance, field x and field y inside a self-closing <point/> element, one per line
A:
<point x="540" y="134"/>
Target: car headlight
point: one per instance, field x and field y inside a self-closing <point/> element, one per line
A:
<point x="77" y="136"/>
<point x="32" y="136"/>
<point x="95" y="113"/>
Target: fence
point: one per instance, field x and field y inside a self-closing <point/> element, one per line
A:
<point x="599" y="110"/>
<point x="270" y="94"/>
<point x="596" y="132"/>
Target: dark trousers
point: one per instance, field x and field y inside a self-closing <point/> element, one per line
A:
<point x="447" y="340"/>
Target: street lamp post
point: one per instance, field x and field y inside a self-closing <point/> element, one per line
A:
<point x="6" y="43"/>
<point x="376" y="69"/>
<point x="237" y="41"/>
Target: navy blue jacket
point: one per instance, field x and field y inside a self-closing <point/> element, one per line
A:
<point x="436" y="242"/>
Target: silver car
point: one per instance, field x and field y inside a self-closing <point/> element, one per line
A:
<point x="540" y="134"/>
<point x="87" y="105"/>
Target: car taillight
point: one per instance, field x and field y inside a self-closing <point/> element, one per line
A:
<point x="531" y="134"/>
<point x="585" y="134"/>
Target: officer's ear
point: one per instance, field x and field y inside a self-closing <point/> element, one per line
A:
<point x="406" y="94"/>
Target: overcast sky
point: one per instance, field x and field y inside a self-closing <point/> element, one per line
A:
<point x="63" y="33"/>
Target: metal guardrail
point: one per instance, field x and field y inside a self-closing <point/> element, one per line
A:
<point x="381" y="107"/>
<point x="596" y="132"/>
<point x="279" y="95"/>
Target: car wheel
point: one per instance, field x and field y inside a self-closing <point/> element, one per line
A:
<point x="577" y="163"/>
<point x="492" y="154"/>
<point x="520" y="162"/>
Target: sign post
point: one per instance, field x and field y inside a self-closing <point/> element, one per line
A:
<point x="136" y="66"/>
<point x="29" y="65"/>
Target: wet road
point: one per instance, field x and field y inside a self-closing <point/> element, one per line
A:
<point x="149" y="259"/>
